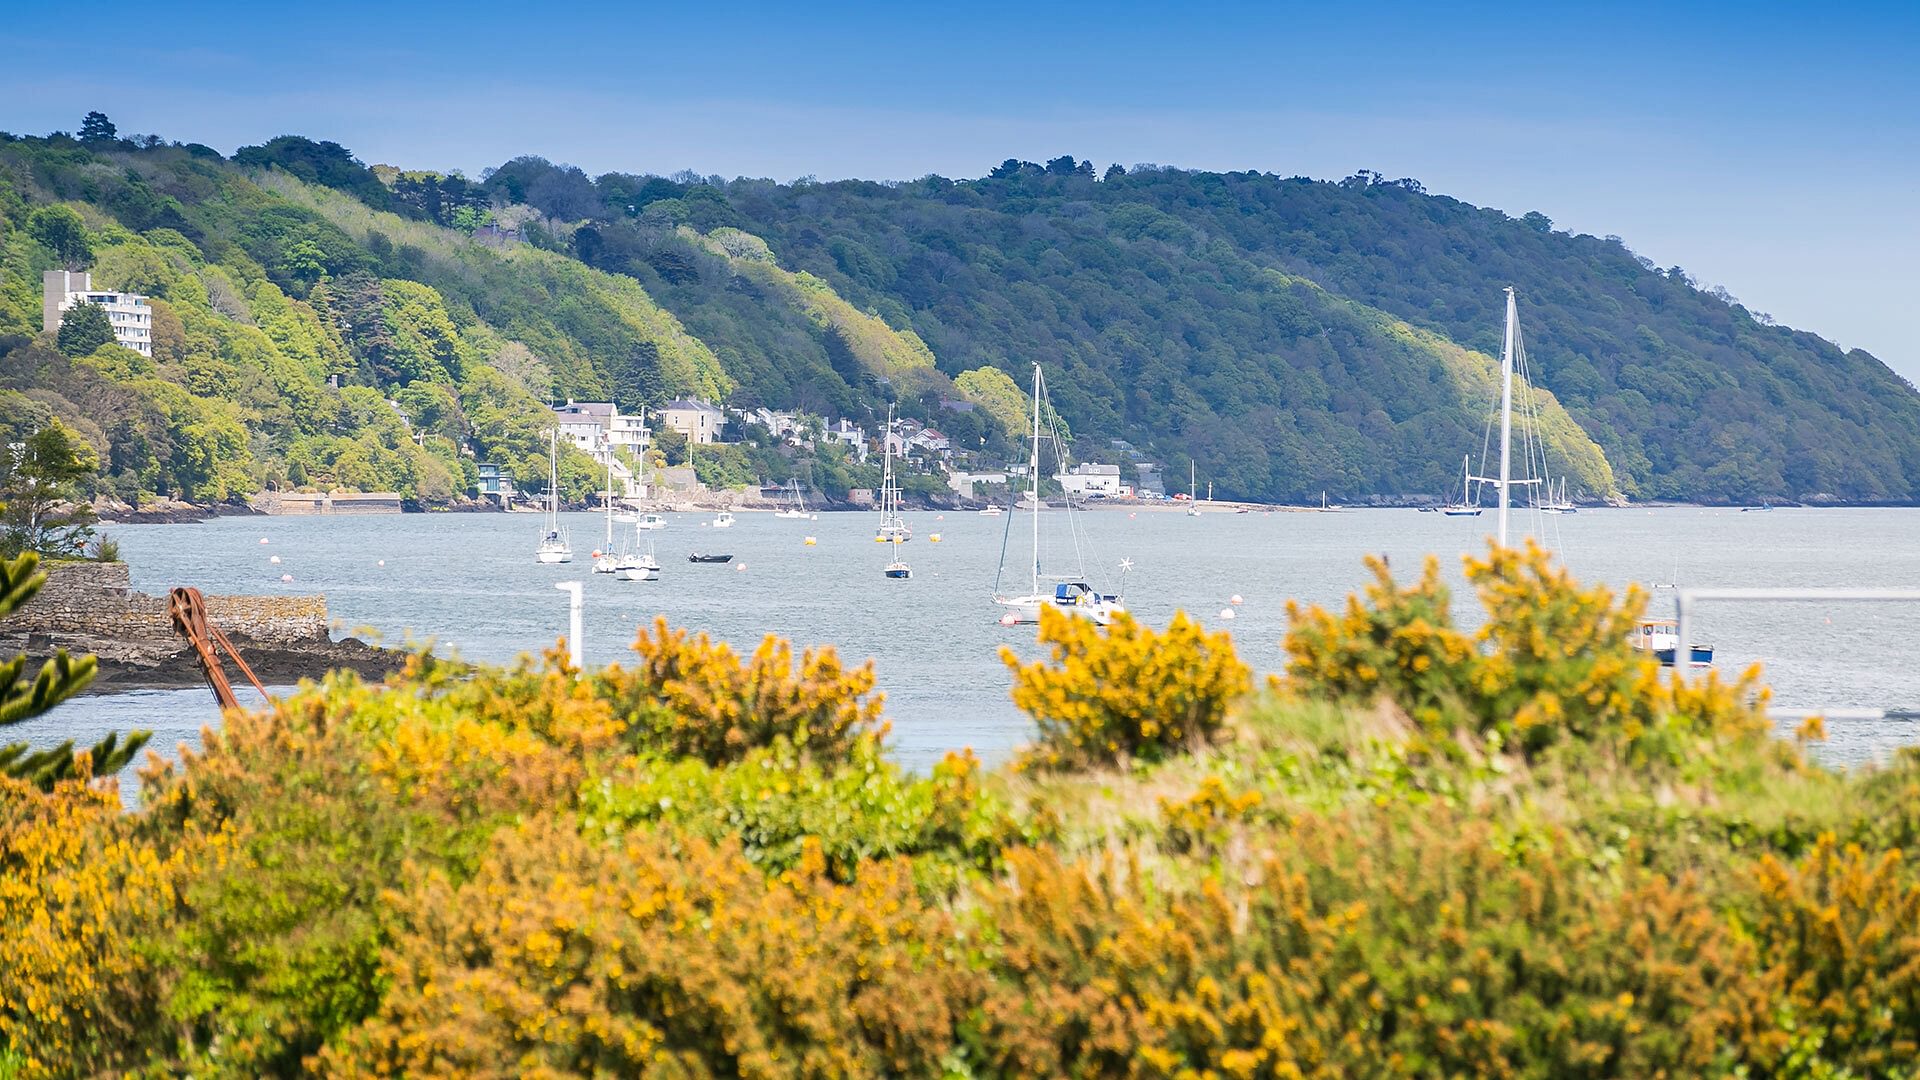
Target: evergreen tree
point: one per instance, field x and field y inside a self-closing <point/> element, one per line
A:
<point x="96" y="128"/>
<point x="84" y="328"/>
<point x="59" y="678"/>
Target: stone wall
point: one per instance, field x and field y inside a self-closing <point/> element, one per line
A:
<point x="96" y="599"/>
<point x="338" y="502"/>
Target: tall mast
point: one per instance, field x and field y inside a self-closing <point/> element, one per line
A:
<point x="1034" y="465"/>
<point x="553" y="479"/>
<point x="609" y="497"/>
<point x="1506" y="414"/>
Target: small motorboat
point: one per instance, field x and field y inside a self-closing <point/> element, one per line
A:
<point x="651" y="522"/>
<point x="723" y="520"/>
<point x="991" y="511"/>
<point x="698" y="557"/>
<point x="1661" y="638"/>
<point x="898" y="570"/>
<point x="1763" y="508"/>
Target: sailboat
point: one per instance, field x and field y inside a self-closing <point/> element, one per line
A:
<point x="793" y="504"/>
<point x="893" y="527"/>
<point x="604" y="560"/>
<point x="1193" y="493"/>
<point x="1466" y="507"/>
<point x="638" y="567"/>
<point x="1511" y="353"/>
<point x="553" y="543"/>
<point x="1070" y="594"/>
<point x="1557" y="500"/>
<point x="898" y="568"/>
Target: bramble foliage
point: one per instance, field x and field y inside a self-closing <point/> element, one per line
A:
<point x="1125" y="690"/>
<point x="1551" y="666"/>
<point x="542" y="872"/>
<point x="691" y="697"/>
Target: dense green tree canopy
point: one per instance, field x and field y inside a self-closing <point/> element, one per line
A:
<point x="1291" y="336"/>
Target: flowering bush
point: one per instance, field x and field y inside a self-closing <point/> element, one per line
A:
<point x="1125" y="690"/>
<point x="708" y="867"/>
<point x="694" y="698"/>
<point x="1551" y="666"/>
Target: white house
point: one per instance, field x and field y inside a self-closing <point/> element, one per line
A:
<point x="781" y="424"/>
<point x="700" y="421"/>
<point x="844" y="431"/>
<point x="930" y="441"/>
<point x="1091" y="479"/>
<point x="601" y="430"/>
<point x="129" y="313"/>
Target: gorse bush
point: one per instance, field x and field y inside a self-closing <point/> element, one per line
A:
<point x="1551" y="666"/>
<point x="1530" y="855"/>
<point x="1125" y="690"/>
<point x="691" y="697"/>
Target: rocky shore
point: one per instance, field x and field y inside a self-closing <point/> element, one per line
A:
<point x="160" y="665"/>
<point x="88" y="608"/>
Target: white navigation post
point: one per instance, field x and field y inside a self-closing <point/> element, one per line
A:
<point x="1506" y="414"/>
<point x="574" y="631"/>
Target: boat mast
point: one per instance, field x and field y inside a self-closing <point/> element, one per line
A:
<point x="553" y="481"/>
<point x="1506" y="415"/>
<point x="609" y="498"/>
<point x="1033" y="463"/>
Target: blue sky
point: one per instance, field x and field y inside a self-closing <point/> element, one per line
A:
<point x="1771" y="149"/>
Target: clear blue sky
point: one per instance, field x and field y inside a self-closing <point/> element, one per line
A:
<point x="1771" y="149"/>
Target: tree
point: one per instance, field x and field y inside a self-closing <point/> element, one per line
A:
<point x="1537" y="221"/>
<point x="41" y="505"/>
<point x="60" y="230"/>
<point x="84" y="329"/>
<point x="59" y="679"/>
<point x="96" y="128"/>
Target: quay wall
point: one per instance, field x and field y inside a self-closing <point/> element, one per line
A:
<point x="97" y="600"/>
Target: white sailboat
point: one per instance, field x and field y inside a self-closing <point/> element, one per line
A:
<point x="1513" y="353"/>
<point x="893" y="527"/>
<point x="793" y="505"/>
<point x="638" y="567"/>
<point x="1466" y="507"/>
<point x="554" y="547"/>
<point x="1072" y="594"/>
<point x="1193" y="492"/>
<point x="604" y="560"/>
<point x="1557" y="501"/>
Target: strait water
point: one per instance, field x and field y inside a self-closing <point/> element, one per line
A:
<point x="468" y="582"/>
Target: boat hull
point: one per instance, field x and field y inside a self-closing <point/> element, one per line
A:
<point x="551" y="557"/>
<point x="1026" y="609"/>
<point x="898" y="573"/>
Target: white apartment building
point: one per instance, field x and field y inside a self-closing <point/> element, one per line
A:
<point x="1091" y="479"/>
<point x="130" y="314"/>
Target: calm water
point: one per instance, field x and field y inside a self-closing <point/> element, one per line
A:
<point x="468" y="583"/>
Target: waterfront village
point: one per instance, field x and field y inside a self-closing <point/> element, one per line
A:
<point x="631" y="450"/>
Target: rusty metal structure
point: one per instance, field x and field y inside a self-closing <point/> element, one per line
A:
<point x="189" y="612"/>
